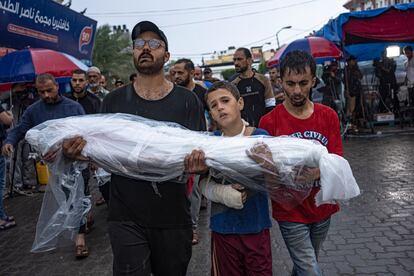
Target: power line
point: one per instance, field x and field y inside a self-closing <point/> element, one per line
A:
<point x="302" y="31"/>
<point x="255" y="42"/>
<point x="187" y="55"/>
<point x="233" y="16"/>
<point x="258" y="41"/>
<point x="170" y="14"/>
<point x="151" y="12"/>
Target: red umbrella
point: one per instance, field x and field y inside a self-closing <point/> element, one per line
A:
<point x="320" y="48"/>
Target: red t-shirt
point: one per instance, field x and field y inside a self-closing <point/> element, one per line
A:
<point x="322" y="126"/>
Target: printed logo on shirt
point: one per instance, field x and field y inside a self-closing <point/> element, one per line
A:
<point x="250" y="94"/>
<point x="312" y="135"/>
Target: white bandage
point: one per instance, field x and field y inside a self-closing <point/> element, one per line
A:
<point x="224" y="194"/>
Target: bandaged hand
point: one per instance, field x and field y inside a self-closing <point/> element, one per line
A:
<point x="224" y="194"/>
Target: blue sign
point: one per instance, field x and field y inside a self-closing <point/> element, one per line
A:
<point x="46" y="24"/>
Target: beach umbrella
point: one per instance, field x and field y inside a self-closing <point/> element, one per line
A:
<point x="319" y="48"/>
<point x="26" y="64"/>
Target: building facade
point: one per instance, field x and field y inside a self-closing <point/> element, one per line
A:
<point x="363" y="5"/>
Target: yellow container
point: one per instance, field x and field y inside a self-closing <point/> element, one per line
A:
<point x="42" y="173"/>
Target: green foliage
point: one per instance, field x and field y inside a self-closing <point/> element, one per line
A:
<point x="228" y="73"/>
<point x="112" y="54"/>
<point x="262" y="67"/>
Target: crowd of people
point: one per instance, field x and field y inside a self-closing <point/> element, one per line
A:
<point x="367" y="95"/>
<point x="152" y="226"/>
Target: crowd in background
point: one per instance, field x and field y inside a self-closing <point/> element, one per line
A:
<point x="254" y="96"/>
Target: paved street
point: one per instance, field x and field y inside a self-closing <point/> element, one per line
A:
<point x="372" y="235"/>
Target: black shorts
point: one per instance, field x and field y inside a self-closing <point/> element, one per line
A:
<point x="141" y="250"/>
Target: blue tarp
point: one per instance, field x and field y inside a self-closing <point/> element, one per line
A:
<point x="333" y="31"/>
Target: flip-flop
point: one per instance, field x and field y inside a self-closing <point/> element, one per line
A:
<point x="8" y="218"/>
<point x="7" y="225"/>
<point x="22" y="192"/>
<point x="195" y="239"/>
<point x="82" y="252"/>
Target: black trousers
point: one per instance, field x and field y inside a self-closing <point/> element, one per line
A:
<point x="105" y="191"/>
<point x="140" y="251"/>
<point x="411" y="96"/>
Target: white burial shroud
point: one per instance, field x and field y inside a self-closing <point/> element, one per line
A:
<point x="151" y="150"/>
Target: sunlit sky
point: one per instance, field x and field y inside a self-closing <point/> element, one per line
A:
<point x="197" y="28"/>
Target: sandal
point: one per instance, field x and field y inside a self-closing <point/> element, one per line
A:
<point x="82" y="252"/>
<point x="7" y="225"/>
<point x="20" y="191"/>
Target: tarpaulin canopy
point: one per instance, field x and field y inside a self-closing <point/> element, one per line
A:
<point x="366" y="34"/>
<point x="319" y="48"/>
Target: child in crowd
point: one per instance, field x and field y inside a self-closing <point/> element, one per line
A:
<point x="240" y="221"/>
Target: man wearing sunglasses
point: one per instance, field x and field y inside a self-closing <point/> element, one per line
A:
<point x="149" y="223"/>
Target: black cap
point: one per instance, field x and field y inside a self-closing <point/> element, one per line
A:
<point x="147" y="26"/>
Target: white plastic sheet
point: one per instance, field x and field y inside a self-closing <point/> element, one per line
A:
<point x="154" y="151"/>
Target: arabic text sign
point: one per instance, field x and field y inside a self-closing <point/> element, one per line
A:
<point x="46" y="24"/>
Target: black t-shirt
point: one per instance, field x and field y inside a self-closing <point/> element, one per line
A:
<point x="201" y="92"/>
<point x="90" y="102"/>
<point x="137" y="200"/>
<point x="254" y="91"/>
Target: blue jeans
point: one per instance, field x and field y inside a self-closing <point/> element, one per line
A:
<point x="303" y="242"/>
<point x="2" y="183"/>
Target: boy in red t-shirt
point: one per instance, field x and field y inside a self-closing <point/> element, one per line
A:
<point x="304" y="227"/>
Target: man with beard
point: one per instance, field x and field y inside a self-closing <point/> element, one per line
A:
<point x="150" y="226"/>
<point x="304" y="226"/>
<point x="50" y="106"/>
<point x="94" y="82"/>
<point x="90" y="103"/>
<point x="184" y="75"/>
<point x="255" y="89"/>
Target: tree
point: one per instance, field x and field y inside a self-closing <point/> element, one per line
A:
<point x="112" y="54"/>
<point x="262" y="67"/>
<point x="228" y="73"/>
